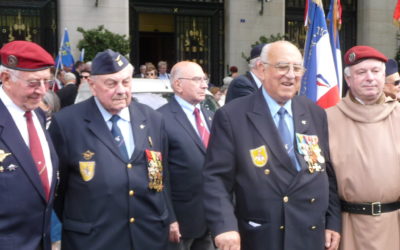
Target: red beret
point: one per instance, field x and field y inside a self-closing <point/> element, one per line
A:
<point x="360" y="53"/>
<point x="26" y="56"/>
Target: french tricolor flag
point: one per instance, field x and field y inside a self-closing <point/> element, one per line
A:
<point x="320" y="81"/>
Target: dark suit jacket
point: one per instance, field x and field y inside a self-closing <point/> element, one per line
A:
<point x="186" y="154"/>
<point x="292" y="208"/>
<point x="97" y="212"/>
<point x="241" y="86"/>
<point x="24" y="212"/>
<point x="67" y="95"/>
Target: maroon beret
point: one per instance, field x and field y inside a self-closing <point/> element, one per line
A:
<point x="25" y="56"/>
<point x="360" y="53"/>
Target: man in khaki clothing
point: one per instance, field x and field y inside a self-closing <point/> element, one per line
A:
<point x="364" y="148"/>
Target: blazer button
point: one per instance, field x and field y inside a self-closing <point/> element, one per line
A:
<point x="129" y="165"/>
<point x="313" y="227"/>
<point x="282" y="227"/>
<point x="131" y="192"/>
<point x="267" y="171"/>
<point x="131" y="220"/>
<point x="285" y="199"/>
<point x="312" y="200"/>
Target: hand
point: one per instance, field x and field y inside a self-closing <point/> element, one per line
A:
<point x="228" y="241"/>
<point x="174" y="233"/>
<point x="332" y="240"/>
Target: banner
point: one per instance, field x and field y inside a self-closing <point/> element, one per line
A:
<point x="65" y="58"/>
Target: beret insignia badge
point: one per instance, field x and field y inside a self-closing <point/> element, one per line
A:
<point x="119" y="61"/>
<point x="352" y="57"/>
<point x="12" y="61"/>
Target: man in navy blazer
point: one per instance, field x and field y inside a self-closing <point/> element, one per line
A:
<point x="251" y="81"/>
<point x="27" y="183"/>
<point x="113" y="189"/>
<point x="263" y="191"/>
<point x="186" y="153"/>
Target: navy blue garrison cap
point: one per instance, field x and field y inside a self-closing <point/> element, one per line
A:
<point x="391" y="67"/>
<point x="108" y="62"/>
<point x="256" y="51"/>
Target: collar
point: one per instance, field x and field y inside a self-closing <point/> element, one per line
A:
<point x="124" y="113"/>
<point x="11" y="106"/>
<point x="274" y="106"/>
<point x="256" y="79"/>
<point x="185" y="105"/>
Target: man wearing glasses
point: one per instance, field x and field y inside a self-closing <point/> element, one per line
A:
<point x="28" y="162"/>
<point x="188" y="127"/>
<point x="392" y="87"/>
<point x="113" y="189"/>
<point x="268" y="181"/>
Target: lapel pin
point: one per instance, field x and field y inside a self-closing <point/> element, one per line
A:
<point x="304" y="122"/>
<point x="209" y="118"/>
<point x="142" y="126"/>
<point x="150" y="141"/>
<point x="12" y="167"/>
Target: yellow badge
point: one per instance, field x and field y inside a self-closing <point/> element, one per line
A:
<point x="3" y="155"/>
<point x="87" y="155"/>
<point x="87" y="169"/>
<point x="259" y="156"/>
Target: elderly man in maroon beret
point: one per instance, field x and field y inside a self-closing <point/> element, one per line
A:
<point x="28" y="160"/>
<point x="364" y="147"/>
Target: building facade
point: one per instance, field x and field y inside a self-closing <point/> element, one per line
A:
<point x="215" y="33"/>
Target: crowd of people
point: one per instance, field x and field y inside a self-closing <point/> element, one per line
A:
<point x="268" y="170"/>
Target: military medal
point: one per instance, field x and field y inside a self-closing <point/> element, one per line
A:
<point x="155" y="170"/>
<point x="87" y="155"/>
<point x="309" y="148"/>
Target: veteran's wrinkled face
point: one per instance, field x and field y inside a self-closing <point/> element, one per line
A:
<point x="26" y="88"/>
<point x="113" y="90"/>
<point x="283" y="71"/>
<point x="366" y="80"/>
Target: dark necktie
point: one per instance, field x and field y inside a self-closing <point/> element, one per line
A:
<point x="286" y="138"/>
<point x="118" y="138"/>
<point x="37" y="153"/>
<point x="203" y="132"/>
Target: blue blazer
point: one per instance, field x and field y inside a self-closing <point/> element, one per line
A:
<point x="25" y="214"/>
<point x="186" y="154"/>
<point x="241" y="86"/>
<point x="105" y="202"/>
<point x="276" y="207"/>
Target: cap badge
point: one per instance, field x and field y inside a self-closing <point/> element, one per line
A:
<point x="119" y="61"/>
<point x="352" y="57"/>
<point x="12" y="61"/>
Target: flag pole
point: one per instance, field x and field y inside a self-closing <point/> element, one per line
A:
<point x="59" y="61"/>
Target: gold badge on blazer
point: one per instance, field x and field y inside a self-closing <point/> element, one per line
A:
<point x="87" y="155"/>
<point x="155" y="170"/>
<point x="309" y="148"/>
<point x="259" y="156"/>
<point x="87" y="169"/>
<point x="3" y="155"/>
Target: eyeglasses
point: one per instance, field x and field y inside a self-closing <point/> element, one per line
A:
<point x="84" y="77"/>
<point x="284" y="68"/>
<point x="197" y="80"/>
<point x="36" y="83"/>
<point x="397" y="82"/>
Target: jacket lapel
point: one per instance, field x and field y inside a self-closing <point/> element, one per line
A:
<point x="182" y="119"/>
<point x="262" y="120"/>
<point x="11" y="137"/>
<point x="139" y="128"/>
